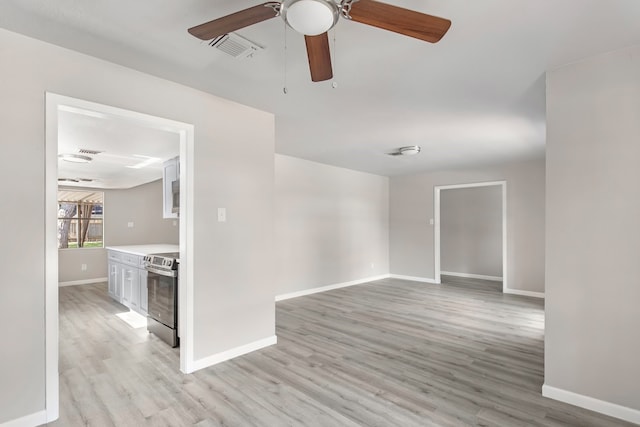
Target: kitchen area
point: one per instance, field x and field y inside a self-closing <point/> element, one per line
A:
<point x="233" y="282"/>
<point x="130" y="240"/>
<point x="144" y="278"/>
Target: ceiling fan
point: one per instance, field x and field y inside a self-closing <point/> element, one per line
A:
<point x="313" y="18"/>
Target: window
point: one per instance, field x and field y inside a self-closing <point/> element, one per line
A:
<point x="80" y="219"/>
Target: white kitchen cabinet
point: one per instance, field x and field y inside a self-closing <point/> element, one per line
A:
<point x="126" y="275"/>
<point x="114" y="264"/>
<point x="170" y="173"/>
<point x="130" y="287"/>
<point x="115" y="280"/>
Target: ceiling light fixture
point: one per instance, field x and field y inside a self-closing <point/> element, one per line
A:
<point x="411" y="150"/>
<point x="310" y="17"/>
<point x="75" y="158"/>
<point x="144" y="163"/>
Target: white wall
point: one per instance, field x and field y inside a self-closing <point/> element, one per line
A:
<point x="471" y="230"/>
<point x="331" y="225"/>
<point x="592" y="339"/>
<point x="233" y="261"/>
<point x="141" y="205"/>
<point x="412" y="237"/>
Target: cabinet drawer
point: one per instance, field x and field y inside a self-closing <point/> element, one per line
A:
<point x="115" y="255"/>
<point x="133" y="260"/>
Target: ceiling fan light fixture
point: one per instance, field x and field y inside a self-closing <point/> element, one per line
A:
<point x="310" y="17"/>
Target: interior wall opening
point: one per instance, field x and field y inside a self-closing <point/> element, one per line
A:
<point x="57" y="107"/>
<point x="470" y="244"/>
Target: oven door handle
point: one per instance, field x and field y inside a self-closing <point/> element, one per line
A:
<point x="171" y="273"/>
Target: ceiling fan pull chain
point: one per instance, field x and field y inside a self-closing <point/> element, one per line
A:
<point x="284" y="88"/>
<point x="334" y="83"/>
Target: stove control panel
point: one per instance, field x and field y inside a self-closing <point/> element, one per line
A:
<point x="160" y="261"/>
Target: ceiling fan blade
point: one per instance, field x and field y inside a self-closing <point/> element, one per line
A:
<point x="319" y="57"/>
<point x="399" y="20"/>
<point x="233" y="22"/>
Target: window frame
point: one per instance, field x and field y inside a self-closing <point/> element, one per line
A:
<point x="77" y="217"/>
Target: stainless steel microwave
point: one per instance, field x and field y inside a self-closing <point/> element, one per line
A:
<point x="175" y="196"/>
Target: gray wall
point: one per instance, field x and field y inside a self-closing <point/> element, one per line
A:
<point x="592" y="343"/>
<point x="141" y="205"/>
<point x="233" y="261"/>
<point x="332" y="225"/>
<point x="411" y="237"/>
<point x="471" y="230"/>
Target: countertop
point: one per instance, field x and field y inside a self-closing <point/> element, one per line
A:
<point x="145" y="249"/>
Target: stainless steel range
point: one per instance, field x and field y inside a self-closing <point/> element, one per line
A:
<point x="162" y="288"/>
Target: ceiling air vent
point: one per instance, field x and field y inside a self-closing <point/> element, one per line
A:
<point x="87" y="151"/>
<point x="74" y="180"/>
<point x="236" y="46"/>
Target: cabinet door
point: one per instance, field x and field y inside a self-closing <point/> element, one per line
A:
<point x="118" y="281"/>
<point x="114" y="265"/>
<point x="169" y="174"/>
<point x="127" y="285"/>
<point x="113" y="280"/>
<point x="144" y="293"/>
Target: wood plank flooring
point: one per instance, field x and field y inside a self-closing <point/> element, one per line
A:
<point x="476" y="284"/>
<point x="387" y="353"/>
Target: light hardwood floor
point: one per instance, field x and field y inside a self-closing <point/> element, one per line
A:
<point x="388" y="353"/>
<point x="476" y="284"/>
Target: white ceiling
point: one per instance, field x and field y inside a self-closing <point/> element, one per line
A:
<point x="131" y="153"/>
<point x="476" y="97"/>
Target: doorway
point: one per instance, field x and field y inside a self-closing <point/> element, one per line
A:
<point x="502" y="230"/>
<point x="185" y="132"/>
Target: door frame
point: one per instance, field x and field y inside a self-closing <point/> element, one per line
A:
<point x="436" y="207"/>
<point x="185" y="131"/>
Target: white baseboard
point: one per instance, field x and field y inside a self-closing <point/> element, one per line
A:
<point x="472" y="276"/>
<point x="597" y="405"/>
<point x="524" y="293"/>
<point x="31" y="420"/>
<point x="329" y="287"/>
<point x="234" y="352"/>
<point x="83" y="282"/>
<point x="414" y="278"/>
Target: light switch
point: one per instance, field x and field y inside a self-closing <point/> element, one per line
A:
<point x="130" y="224"/>
<point x="222" y="214"/>
<point x="431" y="221"/>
